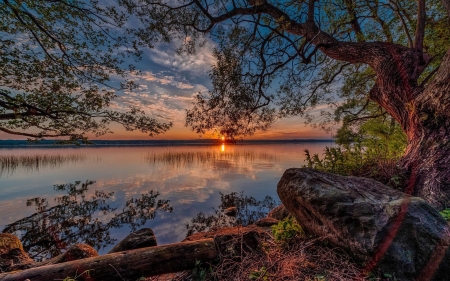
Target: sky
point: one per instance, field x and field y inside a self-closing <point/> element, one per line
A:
<point x="168" y="83"/>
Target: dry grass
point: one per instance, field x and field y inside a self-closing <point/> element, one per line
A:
<point x="302" y="259"/>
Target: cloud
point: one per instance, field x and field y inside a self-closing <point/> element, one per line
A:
<point x="148" y="76"/>
<point x="198" y="64"/>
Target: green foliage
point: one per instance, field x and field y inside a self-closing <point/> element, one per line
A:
<point x="320" y="277"/>
<point x="380" y="136"/>
<point x="446" y="214"/>
<point x="286" y="230"/>
<point x="260" y="274"/>
<point x="200" y="271"/>
<point x="370" y="149"/>
<point x="57" y="59"/>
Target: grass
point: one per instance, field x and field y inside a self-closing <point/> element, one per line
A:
<point x="31" y="163"/>
<point x="183" y="159"/>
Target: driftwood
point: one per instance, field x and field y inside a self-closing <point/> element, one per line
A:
<point x="127" y="265"/>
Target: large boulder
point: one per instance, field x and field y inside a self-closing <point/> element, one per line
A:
<point x="141" y="238"/>
<point x="382" y="228"/>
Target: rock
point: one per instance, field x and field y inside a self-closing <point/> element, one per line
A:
<point x="12" y="255"/>
<point x="75" y="252"/>
<point x="78" y="252"/>
<point x="382" y="228"/>
<point x="266" y="222"/>
<point x="231" y="211"/>
<point x="279" y="213"/>
<point x="232" y="241"/>
<point x="9" y="242"/>
<point x="139" y="239"/>
<point x="15" y="259"/>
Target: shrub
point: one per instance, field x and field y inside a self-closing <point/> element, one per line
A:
<point x="286" y="230"/>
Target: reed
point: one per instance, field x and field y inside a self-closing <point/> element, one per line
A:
<point x="184" y="159"/>
<point x="33" y="163"/>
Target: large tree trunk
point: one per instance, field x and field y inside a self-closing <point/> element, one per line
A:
<point x="427" y="157"/>
<point x="427" y="160"/>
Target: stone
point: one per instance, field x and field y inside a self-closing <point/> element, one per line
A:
<point x="15" y="259"/>
<point x="8" y="242"/>
<point x="12" y="255"/>
<point x="75" y="252"/>
<point x="385" y="230"/>
<point x="78" y="252"/>
<point x="141" y="238"/>
<point x="266" y="222"/>
<point x="231" y="211"/>
<point x="279" y="213"/>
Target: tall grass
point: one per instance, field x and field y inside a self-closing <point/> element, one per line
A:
<point x="33" y="163"/>
<point x="183" y="159"/>
<point x="360" y="161"/>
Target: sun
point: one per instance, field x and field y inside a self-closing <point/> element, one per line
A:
<point x="223" y="138"/>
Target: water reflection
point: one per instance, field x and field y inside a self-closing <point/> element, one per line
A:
<point x="78" y="218"/>
<point x="191" y="177"/>
<point x="249" y="210"/>
<point x="182" y="159"/>
<point x="32" y="163"/>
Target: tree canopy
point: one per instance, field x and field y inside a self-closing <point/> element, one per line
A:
<point x="281" y="58"/>
<point x="61" y="63"/>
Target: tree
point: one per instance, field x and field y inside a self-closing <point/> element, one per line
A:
<point x="57" y="59"/>
<point x="279" y="58"/>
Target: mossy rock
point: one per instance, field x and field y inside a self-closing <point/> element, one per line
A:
<point x="9" y="242"/>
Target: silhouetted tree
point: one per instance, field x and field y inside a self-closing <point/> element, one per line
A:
<point x="75" y="219"/>
<point x="56" y="63"/>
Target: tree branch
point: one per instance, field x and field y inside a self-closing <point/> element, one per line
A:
<point x="420" y="26"/>
<point x="402" y="20"/>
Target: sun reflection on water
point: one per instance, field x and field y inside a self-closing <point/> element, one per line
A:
<point x="222" y="148"/>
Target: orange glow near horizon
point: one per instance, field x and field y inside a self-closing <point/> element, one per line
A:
<point x="179" y="132"/>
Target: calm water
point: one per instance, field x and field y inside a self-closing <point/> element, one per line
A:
<point x="186" y="179"/>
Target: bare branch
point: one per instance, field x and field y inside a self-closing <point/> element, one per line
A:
<point x="396" y="8"/>
<point x="420" y="26"/>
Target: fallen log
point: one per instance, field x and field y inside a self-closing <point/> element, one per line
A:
<point x="127" y="265"/>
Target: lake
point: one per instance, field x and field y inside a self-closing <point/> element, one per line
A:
<point x="159" y="186"/>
